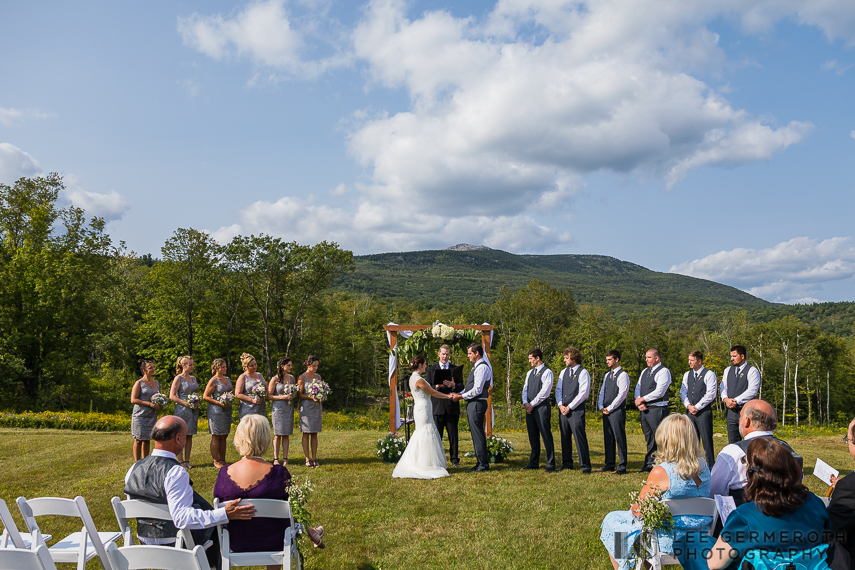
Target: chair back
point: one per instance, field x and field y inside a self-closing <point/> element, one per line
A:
<point x="25" y="559"/>
<point x="696" y="506"/>
<point x="10" y="529"/>
<point x="134" y="509"/>
<point x="157" y="558"/>
<point x="265" y="508"/>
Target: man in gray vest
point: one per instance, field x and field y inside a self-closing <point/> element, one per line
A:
<point x="651" y="399"/>
<point x="538" y="411"/>
<point x="730" y="476"/>
<point x="612" y="402"/>
<point x="697" y="392"/>
<point x="475" y="393"/>
<point x="159" y="478"/>
<point x="739" y="384"/>
<point x="571" y="395"/>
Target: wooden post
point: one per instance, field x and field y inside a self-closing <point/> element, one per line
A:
<point x="393" y="385"/>
<point x="488" y="417"/>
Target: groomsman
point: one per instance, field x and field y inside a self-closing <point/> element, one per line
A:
<point x="612" y="402"/>
<point x="538" y="411"/>
<point x="651" y="399"/>
<point x="571" y="395"/>
<point x="446" y="413"/>
<point x="697" y="392"/>
<point x="739" y="384"/>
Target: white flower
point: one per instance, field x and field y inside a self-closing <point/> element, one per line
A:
<point x="446" y="332"/>
<point x="436" y="331"/>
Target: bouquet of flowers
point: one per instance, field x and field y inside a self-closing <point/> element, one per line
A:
<point x="226" y="398"/>
<point x="298" y="496"/>
<point x="318" y="389"/>
<point x="290" y="390"/>
<point x="439" y="330"/>
<point x="654" y="516"/>
<point x="159" y="399"/>
<point x="193" y="401"/>
<point x="391" y="447"/>
<point x="408" y="399"/>
<point x="259" y="391"/>
<point x="498" y="447"/>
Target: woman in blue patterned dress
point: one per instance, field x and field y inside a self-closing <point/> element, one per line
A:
<point x="182" y="387"/>
<point x="145" y="411"/>
<point x="219" y="414"/>
<point x="680" y="473"/>
<point x="246" y="382"/>
<point x="282" y="413"/>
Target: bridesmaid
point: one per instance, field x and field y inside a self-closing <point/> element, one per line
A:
<point x="250" y="378"/>
<point x="219" y="414"/>
<point x="283" y="410"/>
<point x="184" y="385"/>
<point x="310" y="411"/>
<point x="145" y="411"/>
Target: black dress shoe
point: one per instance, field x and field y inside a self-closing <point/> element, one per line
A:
<point x="586" y="471"/>
<point x="550" y="469"/>
<point x="606" y="469"/>
<point x="620" y="472"/>
<point x="568" y="467"/>
<point x="479" y="469"/>
<point x="530" y="466"/>
<point x="455" y="463"/>
<point x="645" y="469"/>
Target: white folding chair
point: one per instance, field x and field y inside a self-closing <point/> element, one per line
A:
<point x="133" y="509"/>
<point x="265" y="508"/>
<point x="26" y="559"/>
<point x="157" y="558"/>
<point x="11" y="538"/>
<point x="79" y="547"/>
<point x="695" y="506"/>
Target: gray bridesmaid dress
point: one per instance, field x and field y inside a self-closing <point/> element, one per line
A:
<point x="220" y="419"/>
<point x="311" y="414"/>
<point x="246" y="408"/>
<point x="190" y="417"/>
<point x="283" y="412"/>
<point x="143" y="418"/>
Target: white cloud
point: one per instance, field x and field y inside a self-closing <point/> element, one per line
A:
<point x="11" y="116"/>
<point x="15" y="164"/>
<point x="837" y="67"/>
<point x="852" y="134"/>
<point x="111" y="206"/>
<point x="791" y="271"/>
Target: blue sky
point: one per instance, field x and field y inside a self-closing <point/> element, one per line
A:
<point x="713" y="139"/>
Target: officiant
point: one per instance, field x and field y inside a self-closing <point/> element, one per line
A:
<point x="446" y="378"/>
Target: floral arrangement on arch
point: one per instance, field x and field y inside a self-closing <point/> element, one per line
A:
<point x="427" y="342"/>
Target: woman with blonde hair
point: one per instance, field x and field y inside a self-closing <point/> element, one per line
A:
<point x="246" y="383"/>
<point x="219" y="414"/>
<point x="145" y="411"/>
<point x="183" y="387"/>
<point x="254" y="478"/>
<point x="282" y="414"/>
<point x="311" y="411"/>
<point x="680" y="473"/>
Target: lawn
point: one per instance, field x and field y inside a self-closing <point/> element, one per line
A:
<point x="505" y="518"/>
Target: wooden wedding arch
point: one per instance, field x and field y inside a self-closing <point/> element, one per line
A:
<point x="393" y="331"/>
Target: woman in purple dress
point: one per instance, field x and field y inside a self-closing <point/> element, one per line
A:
<point x="254" y="478"/>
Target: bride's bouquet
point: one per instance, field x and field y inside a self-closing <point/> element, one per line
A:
<point x="159" y="399"/>
<point x="193" y="401"/>
<point x="226" y="398"/>
<point x="259" y="391"/>
<point x="318" y="389"/>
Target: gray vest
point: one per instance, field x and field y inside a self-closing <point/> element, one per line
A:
<point x="648" y="384"/>
<point x="146" y="484"/>
<point x="470" y="383"/>
<point x="570" y="387"/>
<point x="697" y="389"/>
<point x="535" y="383"/>
<point x="736" y="385"/>
<point x="611" y="390"/>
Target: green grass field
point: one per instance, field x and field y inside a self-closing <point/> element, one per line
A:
<point x="506" y="518"/>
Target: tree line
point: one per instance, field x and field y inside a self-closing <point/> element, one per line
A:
<point x="77" y="311"/>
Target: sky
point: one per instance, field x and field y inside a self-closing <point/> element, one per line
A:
<point x="712" y="139"/>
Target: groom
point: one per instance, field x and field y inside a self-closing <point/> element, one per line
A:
<point x="475" y="393"/>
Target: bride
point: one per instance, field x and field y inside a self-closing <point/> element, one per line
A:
<point x="424" y="457"/>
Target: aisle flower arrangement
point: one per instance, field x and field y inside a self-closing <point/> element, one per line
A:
<point x="298" y="497"/>
<point x="654" y="516"/>
<point x="498" y="448"/>
<point x="391" y="447"/>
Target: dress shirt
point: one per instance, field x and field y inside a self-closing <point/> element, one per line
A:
<point x="483" y="375"/>
<point x="753" y="384"/>
<point x="545" y="387"/>
<point x="623" y="389"/>
<point x="729" y="471"/>
<point x="709" y="380"/>
<point x="662" y="377"/>
<point x="179" y="499"/>
<point x="584" y="387"/>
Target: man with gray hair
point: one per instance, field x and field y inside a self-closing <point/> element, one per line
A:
<point x="160" y="479"/>
<point x="730" y="476"/>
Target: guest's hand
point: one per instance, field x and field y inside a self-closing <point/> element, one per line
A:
<point x="834" y="481"/>
<point x="239" y="513"/>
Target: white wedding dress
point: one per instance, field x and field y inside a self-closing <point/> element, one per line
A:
<point x="424" y="457"/>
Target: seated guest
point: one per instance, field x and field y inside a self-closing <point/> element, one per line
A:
<point x="160" y="479"/>
<point x="841" y="509"/>
<point x="680" y="473"/>
<point x="254" y="478"/>
<point x="790" y="519"/>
